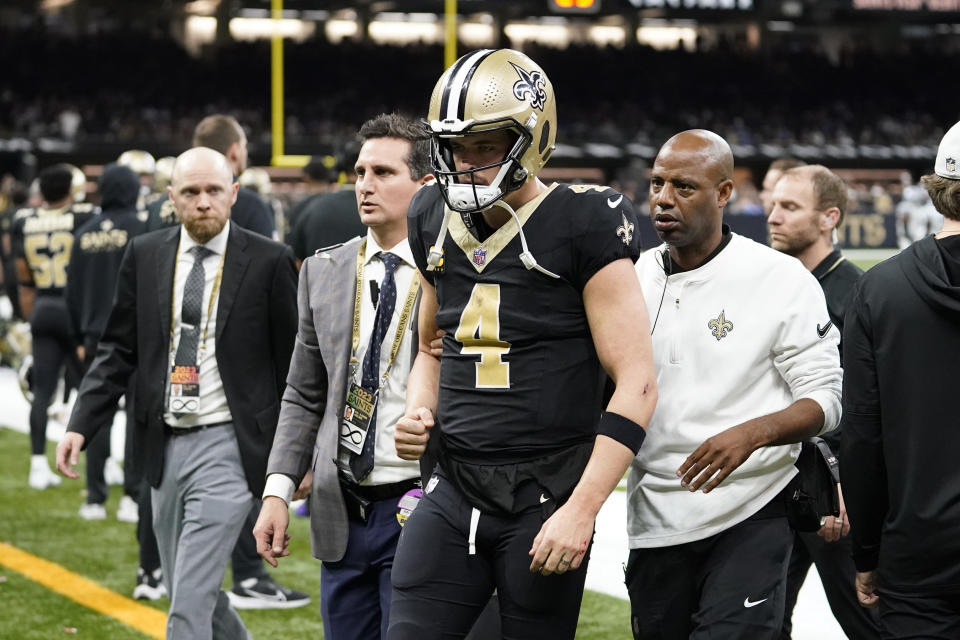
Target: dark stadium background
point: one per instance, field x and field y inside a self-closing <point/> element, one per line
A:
<point x="865" y="86"/>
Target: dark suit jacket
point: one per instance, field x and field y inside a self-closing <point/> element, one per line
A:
<point x="256" y="327"/>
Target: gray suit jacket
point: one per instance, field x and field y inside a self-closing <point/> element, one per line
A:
<point x="308" y="430"/>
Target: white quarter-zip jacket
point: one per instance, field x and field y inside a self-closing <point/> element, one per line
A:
<point x="742" y="336"/>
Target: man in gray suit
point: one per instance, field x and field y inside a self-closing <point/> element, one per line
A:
<point x="204" y="313"/>
<point x="355" y="345"/>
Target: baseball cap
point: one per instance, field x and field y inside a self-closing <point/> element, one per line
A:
<point x="948" y="155"/>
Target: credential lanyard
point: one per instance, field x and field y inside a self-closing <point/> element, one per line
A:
<point x="401" y="325"/>
<point x="213" y="296"/>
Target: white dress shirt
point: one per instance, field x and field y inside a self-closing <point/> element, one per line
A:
<point x="387" y="466"/>
<point x="213" y="401"/>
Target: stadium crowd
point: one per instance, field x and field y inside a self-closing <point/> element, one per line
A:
<point x="251" y="393"/>
<point x="638" y="94"/>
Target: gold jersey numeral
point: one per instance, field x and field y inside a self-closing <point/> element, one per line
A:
<point x="49" y="268"/>
<point x="479" y="333"/>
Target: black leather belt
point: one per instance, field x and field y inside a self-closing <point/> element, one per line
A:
<point x="359" y="498"/>
<point x="375" y="492"/>
<point x="182" y="431"/>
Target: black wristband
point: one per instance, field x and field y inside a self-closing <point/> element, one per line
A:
<point x="625" y="431"/>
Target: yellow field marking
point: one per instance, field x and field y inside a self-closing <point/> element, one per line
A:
<point x="144" y="619"/>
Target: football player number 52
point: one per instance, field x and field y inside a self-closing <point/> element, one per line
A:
<point x="50" y="268"/>
<point x="479" y="333"/>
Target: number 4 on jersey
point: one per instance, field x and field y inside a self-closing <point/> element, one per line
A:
<point x="479" y="333"/>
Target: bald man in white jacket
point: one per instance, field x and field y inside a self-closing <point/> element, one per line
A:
<point x="747" y="367"/>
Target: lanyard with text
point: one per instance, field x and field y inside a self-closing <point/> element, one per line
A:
<point x="401" y="325"/>
<point x="184" y="396"/>
<point x="361" y="402"/>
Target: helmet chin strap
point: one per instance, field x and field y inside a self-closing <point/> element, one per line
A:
<point x="491" y="192"/>
<point x="525" y="256"/>
<point x="436" y="251"/>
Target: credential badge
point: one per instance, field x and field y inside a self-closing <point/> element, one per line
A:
<point x="479" y="256"/>
<point x="625" y="230"/>
<point x="530" y="87"/>
<point x="720" y="326"/>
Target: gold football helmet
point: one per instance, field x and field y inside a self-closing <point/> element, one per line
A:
<point x="163" y="173"/>
<point x="489" y="90"/>
<point x="78" y="184"/>
<point x="255" y="179"/>
<point x="140" y="162"/>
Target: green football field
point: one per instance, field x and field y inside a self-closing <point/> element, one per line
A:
<point x="866" y="258"/>
<point x="46" y="524"/>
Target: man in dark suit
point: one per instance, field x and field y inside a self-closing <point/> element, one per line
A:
<point x="206" y="315"/>
<point x="253" y="588"/>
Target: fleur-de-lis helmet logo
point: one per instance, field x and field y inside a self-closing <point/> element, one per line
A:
<point x="530" y="87"/>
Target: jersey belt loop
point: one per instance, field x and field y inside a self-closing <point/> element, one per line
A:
<point x="472" y="541"/>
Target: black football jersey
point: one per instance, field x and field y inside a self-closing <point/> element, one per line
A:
<point x="161" y="214"/>
<point x="519" y="375"/>
<point x="44" y="238"/>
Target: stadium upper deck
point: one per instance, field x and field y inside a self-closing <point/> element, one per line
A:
<point x="770" y="76"/>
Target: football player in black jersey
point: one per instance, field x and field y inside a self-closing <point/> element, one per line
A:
<point x="42" y="242"/>
<point x="534" y="289"/>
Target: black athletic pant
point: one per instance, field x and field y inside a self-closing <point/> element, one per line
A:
<point x="149" y="553"/>
<point x="730" y="585"/>
<point x="440" y="588"/>
<point x="53" y="347"/>
<point x="98" y="450"/>
<point x="97" y="453"/>
<point x="919" y="617"/>
<point x="837" y="573"/>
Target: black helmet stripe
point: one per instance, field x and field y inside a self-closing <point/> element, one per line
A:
<point x="453" y="104"/>
<point x="445" y="99"/>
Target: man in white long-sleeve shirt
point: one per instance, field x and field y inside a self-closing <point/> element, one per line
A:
<point x="747" y="367"/>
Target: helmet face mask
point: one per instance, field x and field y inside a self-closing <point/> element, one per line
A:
<point x="460" y="188"/>
<point x="487" y="91"/>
